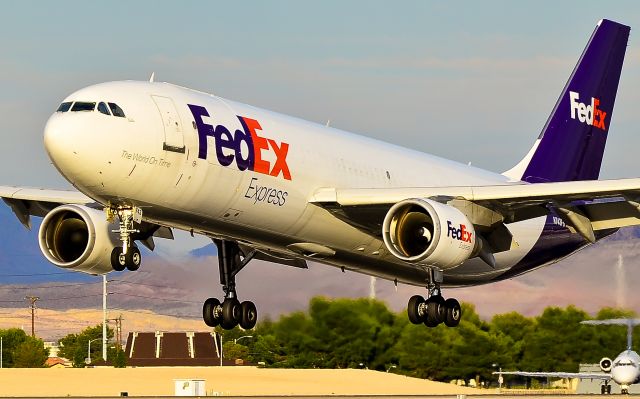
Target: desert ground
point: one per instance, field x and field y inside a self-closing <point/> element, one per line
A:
<point x="226" y="381"/>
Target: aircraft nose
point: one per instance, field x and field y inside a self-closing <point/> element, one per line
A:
<point x="60" y="142"/>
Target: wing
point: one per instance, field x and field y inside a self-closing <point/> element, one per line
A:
<point x="542" y="374"/>
<point x="584" y="206"/>
<point x="26" y="202"/>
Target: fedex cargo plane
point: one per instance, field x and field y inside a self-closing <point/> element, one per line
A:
<point x="147" y="158"/>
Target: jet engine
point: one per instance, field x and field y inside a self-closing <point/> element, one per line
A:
<point x="78" y="238"/>
<point x="605" y="364"/>
<point x="421" y="230"/>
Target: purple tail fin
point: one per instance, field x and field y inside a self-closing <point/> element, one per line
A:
<point x="571" y="144"/>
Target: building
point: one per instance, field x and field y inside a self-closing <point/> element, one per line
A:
<point x="174" y="349"/>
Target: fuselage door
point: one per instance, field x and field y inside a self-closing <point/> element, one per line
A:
<point x="173" y="132"/>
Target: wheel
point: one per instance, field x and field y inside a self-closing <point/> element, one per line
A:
<point x="603" y="389"/>
<point x="133" y="259"/>
<point x="249" y="315"/>
<point x="209" y="312"/>
<point x="624" y="391"/>
<point x="413" y="309"/>
<point x="453" y="312"/>
<point x="608" y="389"/>
<point x="118" y="261"/>
<point x="231" y="313"/>
<point x="433" y="317"/>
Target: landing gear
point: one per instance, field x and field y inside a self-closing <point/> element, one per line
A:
<point x="131" y="260"/>
<point x="128" y="255"/>
<point x="624" y="391"/>
<point x="435" y="309"/>
<point x="231" y="312"/>
<point x="605" y="388"/>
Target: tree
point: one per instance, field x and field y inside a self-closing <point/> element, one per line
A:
<point x="74" y="346"/>
<point x="21" y="350"/>
<point x="30" y="353"/>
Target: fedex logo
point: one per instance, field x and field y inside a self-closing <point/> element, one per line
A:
<point x="256" y="146"/>
<point x="458" y="233"/>
<point x="589" y="114"/>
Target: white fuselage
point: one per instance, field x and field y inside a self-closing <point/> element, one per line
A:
<point x="152" y="158"/>
<point x="625" y="369"/>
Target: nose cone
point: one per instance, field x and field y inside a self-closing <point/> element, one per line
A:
<point x="624" y="375"/>
<point x="60" y="143"/>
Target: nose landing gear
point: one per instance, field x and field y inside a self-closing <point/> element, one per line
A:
<point x="128" y="255"/>
<point x="231" y="312"/>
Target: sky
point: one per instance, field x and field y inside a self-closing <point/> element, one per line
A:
<point x="465" y="80"/>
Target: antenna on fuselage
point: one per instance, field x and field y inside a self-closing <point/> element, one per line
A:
<point x="152" y="77"/>
<point x="630" y="323"/>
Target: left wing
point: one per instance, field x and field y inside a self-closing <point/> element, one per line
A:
<point x="584" y="206"/>
<point x="27" y="201"/>
<point x="542" y="374"/>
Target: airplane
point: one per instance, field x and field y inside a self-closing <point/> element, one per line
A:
<point x="624" y="369"/>
<point x="147" y="158"/>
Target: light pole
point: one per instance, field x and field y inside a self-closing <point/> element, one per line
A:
<point x="500" y="378"/>
<point x="88" y="359"/>
<point x="235" y="341"/>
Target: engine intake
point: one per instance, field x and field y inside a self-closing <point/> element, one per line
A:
<point x="420" y="230"/>
<point x="79" y="238"/>
<point x="605" y="364"/>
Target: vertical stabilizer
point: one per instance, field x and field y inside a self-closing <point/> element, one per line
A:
<point x="571" y="144"/>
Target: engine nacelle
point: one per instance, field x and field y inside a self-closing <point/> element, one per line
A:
<point x="79" y="238"/>
<point x="605" y="364"/>
<point x="421" y="230"/>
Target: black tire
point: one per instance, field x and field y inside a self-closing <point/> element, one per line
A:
<point x="133" y="259"/>
<point x="433" y="316"/>
<point x="209" y="312"/>
<point x="249" y="316"/>
<point x="609" y="389"/>
<point x="231" y="314"/>
<point x="118" y="262"/>
<point x="453" y="312"/>
<point x="413" y="309"/>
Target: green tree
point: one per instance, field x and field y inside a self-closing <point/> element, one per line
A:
<point x="30" y="353"/>
<point x="11" y="338"/>
<point x="74" y="346"/>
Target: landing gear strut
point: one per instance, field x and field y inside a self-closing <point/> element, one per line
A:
<point x="128" y="255"/>
<point x="435" y="309"/>
<point x="230" y="312"/>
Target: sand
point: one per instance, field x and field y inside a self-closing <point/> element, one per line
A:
<point x="227" y="381"/>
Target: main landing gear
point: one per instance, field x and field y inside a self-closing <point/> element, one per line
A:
<point x="230" y="312"/>
<point x="434" y="310"/>
<point x="605" y="388"/>
<point x="128" y="255"/>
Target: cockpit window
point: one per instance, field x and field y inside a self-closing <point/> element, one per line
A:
<point x="64" y="107"/>
<point x="82" y="106"/>
<point x="103" y="109"/>
<point x="116" y="110"/>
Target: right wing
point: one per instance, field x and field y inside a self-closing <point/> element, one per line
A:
<point x="542" y="374"/>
